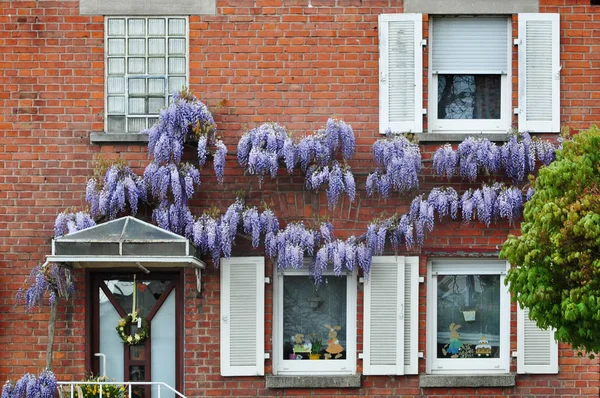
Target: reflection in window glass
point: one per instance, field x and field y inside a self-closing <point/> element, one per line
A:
<point x="468" y="316"/>
<point x="148" y="293"/>
<point x="469" y="96"/>
<point x="314" y="318"/>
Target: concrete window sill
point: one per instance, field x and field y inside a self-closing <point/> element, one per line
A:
<point x="449" y="381"/>
<point x="105" y="138"/>
<point x="350" y="381"/>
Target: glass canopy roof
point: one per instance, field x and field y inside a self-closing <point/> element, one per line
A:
<point x="125" y="240"/>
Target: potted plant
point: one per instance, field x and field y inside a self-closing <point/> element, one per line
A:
<point x="316" y="344"/>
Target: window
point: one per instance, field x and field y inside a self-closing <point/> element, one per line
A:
<point x="468" y="317"/>
<point x="315" y="326"/>
<point x="469" y="78"/>
<point x="146" y="61"/>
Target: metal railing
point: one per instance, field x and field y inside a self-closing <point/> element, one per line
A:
<point x="73" y="389"/>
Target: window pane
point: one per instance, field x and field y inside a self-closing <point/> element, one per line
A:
<point x="468" y="316"/>
<point x="136" y="65"/>
<point x="177" y="65"/>
<point x="116" y="46"/>
<point x="469" y="96"/>
<point x="156" y="86"/>
<point x="116" y="27"/>
<point x="137" y="27"/>
<point x="116" y="104"/>
<point x="177" y="46"/>
<point x="306" y="310"/>
<point x="156" y="27"/>
<point x="176" y="83"/>
<point x="137" y="106"/>
<point x="155" y="105"/>
<point x="116" y="85"/>
<point x="176" y="27"/>
<point x="137" y="46"/>
<point x="116" y="124"/>
<point x="116" y="66"/>
<point x="156" y="46"/>
<point x="156" y="66"/>
<point x="137" y="86"/>
<point x="135" y="125"/>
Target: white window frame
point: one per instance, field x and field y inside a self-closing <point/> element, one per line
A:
<point x="308" y="367"/>
<point x="168" y="93"/>
<point x="503" y="124"/>
<point x="480" y="266"/>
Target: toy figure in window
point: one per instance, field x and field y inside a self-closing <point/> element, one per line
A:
<point x="334" y="348"/>
<point x="453" y="347"/>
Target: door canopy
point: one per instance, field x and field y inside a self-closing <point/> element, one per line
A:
<point x="125" y="242"/>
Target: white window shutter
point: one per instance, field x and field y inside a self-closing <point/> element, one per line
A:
<point x="537" y="350"/>
<point x="411" y="315"/>
<point x="539" y="73"/>
<point x="242" y="316"/>
<point x="401" y="73"/>
<point x="384" y="311"/>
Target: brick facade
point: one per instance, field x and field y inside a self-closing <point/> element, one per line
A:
<point x="252" y="62"/>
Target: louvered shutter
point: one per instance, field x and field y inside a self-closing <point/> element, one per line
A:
<point x="384" y="317"/>
<point x="400" y="73"/>
<point x="537" y="351"/>
<point x="242" y="316"/>
<point x="539" y="73"/>
<point x="411" y="315"/>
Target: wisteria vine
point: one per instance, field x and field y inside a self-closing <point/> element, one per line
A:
<point x="28" y="386"/>
<point x="474" y="156"/>
<point x="50" y="279"/>
<point x="261" y="149"/>
<point x="399" y="162"/>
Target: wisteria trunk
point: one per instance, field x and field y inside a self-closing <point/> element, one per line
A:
<point x="51" y="329"/>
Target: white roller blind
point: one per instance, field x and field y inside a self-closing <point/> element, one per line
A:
<point x="242" y="316"/>
<point x="384" y="317"/>
<point x="400" y="73"/>
<point x="470" y="45"/>
<point x="536" y="348"/>
<point x="539" y="73"/>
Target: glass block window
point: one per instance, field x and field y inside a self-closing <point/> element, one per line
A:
<point x="146" y="61"/>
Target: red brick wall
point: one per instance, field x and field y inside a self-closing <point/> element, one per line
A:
<point x="262" y="60"/>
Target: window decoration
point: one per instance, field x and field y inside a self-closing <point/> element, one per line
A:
<point x="140" y="335"/>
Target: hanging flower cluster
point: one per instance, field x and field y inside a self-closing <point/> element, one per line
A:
<point x="490" y="202"/>
<point x="28" y="386"/>
<point x="260" y="150"/>
<point x="48" y="279"/>
<point x="216" y="236"/>
<point x="183" y="119"/>
<point x="485" y="204"/>
<point x="291" y="245"/>
<point x="172" y="183"/>
<point x="474" y="156"/>
<point x="399" y="162"/>
<point x="317" y="158"/>
<point x="121" y="186"/>
<point x="67" y="223"/>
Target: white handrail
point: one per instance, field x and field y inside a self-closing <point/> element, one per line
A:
<point x="129" y="384"/>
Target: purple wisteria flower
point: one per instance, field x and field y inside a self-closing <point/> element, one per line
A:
<point x="29" y="387"/>
<point x="445" y="160"/>
<point x="50" y="279"/>
<point x="261" y="149"/>
<point x="120" y="187"/>
<point x="399" y="163"/>
<point x="67" y="223"/>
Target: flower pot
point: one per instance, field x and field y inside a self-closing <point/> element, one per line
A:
<point x="315" y="356"/>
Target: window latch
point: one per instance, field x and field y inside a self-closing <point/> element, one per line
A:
<point x="382" y="77"/>
<point x="517" y="42"/>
